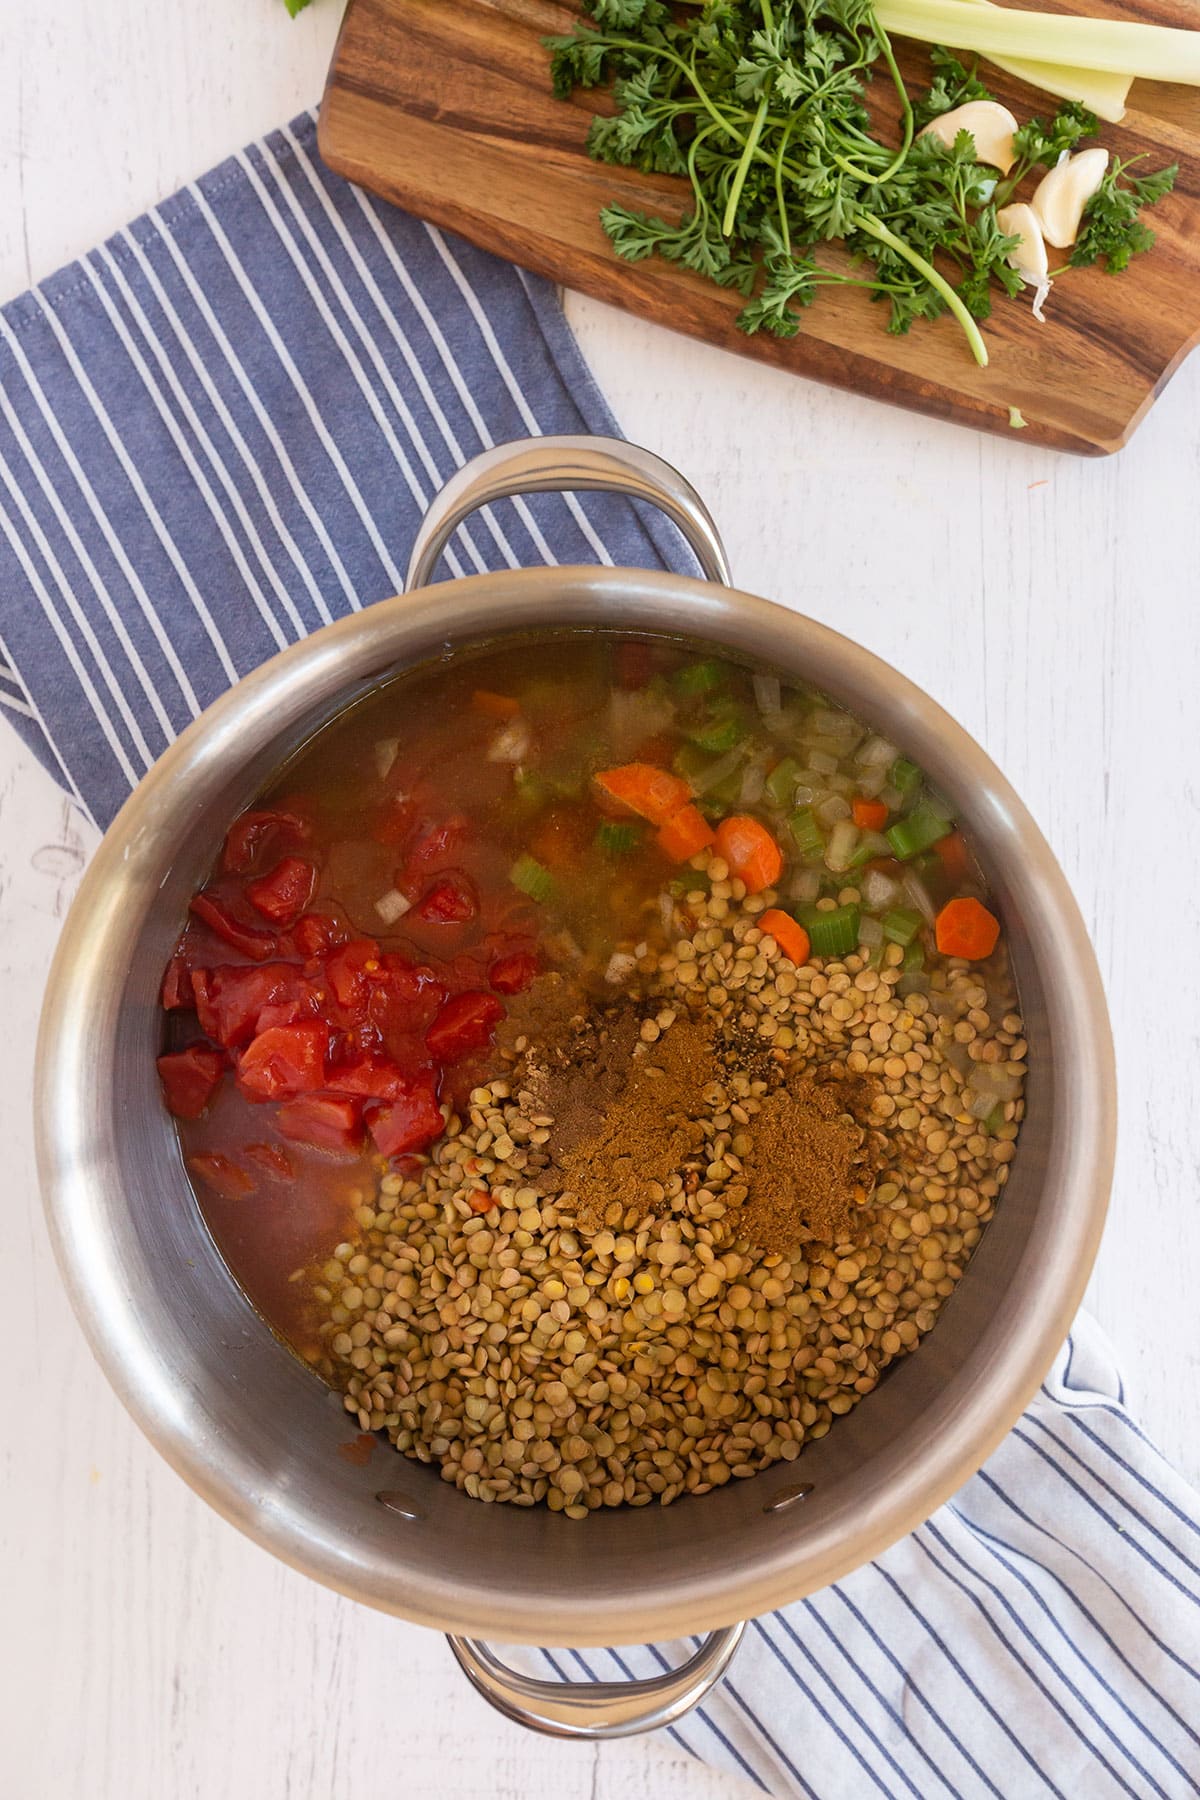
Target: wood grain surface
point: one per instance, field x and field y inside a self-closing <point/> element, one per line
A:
<point x="446" y="108"/>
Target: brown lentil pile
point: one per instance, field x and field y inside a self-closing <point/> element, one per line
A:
<point x="665" y="1354"/>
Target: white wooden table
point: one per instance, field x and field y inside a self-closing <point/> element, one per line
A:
<point x="150" y="1651"/>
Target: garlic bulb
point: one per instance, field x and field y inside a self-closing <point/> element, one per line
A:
<point x="1062" y="194"/>
<point x="990" y="124"/>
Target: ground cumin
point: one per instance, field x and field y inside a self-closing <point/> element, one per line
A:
<point x="629" y="1103"/>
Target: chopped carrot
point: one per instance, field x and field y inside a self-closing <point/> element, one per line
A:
<point x="954" y="856"/>
<point x="481" y="1201"/>
<point x="685" y="834"/>
<point x="869" y="815"/>
<point x="791" y="937"/>
<point x="640" y="788"/>
<point x="751" y="852"/>
<point x="495" y="706"/>
<point x="966" y="928"/>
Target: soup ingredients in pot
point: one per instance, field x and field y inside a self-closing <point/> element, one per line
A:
<point x="681" y="1047"/>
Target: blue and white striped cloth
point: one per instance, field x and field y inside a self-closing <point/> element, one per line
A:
<point x="217" y="432"/>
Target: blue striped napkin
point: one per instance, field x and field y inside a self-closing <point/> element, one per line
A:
<point x="217" y="432"/>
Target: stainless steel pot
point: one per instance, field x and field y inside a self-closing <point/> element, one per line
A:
<point x="251" y="1429"/>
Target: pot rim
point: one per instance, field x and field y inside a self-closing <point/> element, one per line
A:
<point x="979" y="1405"/>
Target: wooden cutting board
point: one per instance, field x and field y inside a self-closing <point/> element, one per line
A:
<point x="444" y="106"/>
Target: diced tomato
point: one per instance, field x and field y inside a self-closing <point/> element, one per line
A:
<point x="177" y="984"/>
<point x="248" y="835"/>
<point x="465" y="1023"/>
<point x="271" y="1160"/>
<point x="231" y="999"/>
<point x="633" y="664"/>
<point x="221" y="1174"/>
<point x="189" y="1079"/>
<point x="326" y="1120"/>
<point x="314" y="934"/>
<point x="450" y="901"/>
<point x="347" y="969"/>
<point x="954" y="856"/>
<point x="373" y="1077"/>
<point x="251" y="940"/>
<point x="396" y="821"/>
<point x="284" y="1061"/>
<point x="412" y="1120"/>
<point x="282" y="894"/>
<point x="436" y="847"/>
<point x="512" y="974"/>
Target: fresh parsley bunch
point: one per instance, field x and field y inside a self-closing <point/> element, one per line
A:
<point x="760" y="105"/>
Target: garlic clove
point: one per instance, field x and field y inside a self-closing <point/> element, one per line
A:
<point x="990" y="124"/>
<point x="1062" y="194"/>
<point x="1029" y="257"/>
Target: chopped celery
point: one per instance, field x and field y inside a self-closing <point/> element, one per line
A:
<point x="566" y="782"/>
<point x="693" y="882"/>
<point x="689" y="760"/>
<point x="726" y="793"/>
<point x="698" y="678"/>
<point x="529" y="791"/>
<point x="870" y="845"/>
<point x="781" y="782"/>
<point x="830" y="933"/>
<point x="914" y="957"/>
<point x="532" y="879"/>
<point x="616" y="838"/>
<point x="901" y="925"/>
<point x="919" y="831"/>
<point x="905" y="776"/>
<point x="807" y="835"/>
<point x="1113" y="46"/>
<point x="876" y="955"/>
<point x="720" y="730"/>
<point x="937" y="803"/>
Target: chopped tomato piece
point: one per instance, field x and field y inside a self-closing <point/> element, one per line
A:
<point x="282" y="894"/>
<point x="189" y="1079"/>
<point x="788" y="934"/>
<point x="869" y="815"/>
<point x="251" y="832"/>
<point x="284" y="1060"/>
<point x="232" y="999"/>
<point x="271" y="1160"/>
<point x="640" y="788"/>
<point x="633" y="664"/>
<point x="251" y="940"/>
<point x="494" y="706"/>
<point x="512" y="974"/>
<point x="438" y="846"/>
<point x="314" y="934"/>
<point x="464" y="1024"/>
<point x="177" y="984"/>
<point x="395" y="823"/>
<point x="221" y="1174"/>
<point x="347" y="970"/>
<point x="450" y="901"/>
<point x="751" y="852"/>
<point x="374" y="1077"/>
<point x="325" y="1120"/>
<point x="954" y="856"/>
<point x="685" y="834"/>
<point x="966" y="928"/>
<point x="412" y="1120"/>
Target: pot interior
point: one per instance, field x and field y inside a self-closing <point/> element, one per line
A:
<point x="258" y="1434"/>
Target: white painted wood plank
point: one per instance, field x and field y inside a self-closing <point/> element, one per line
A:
<point x="1051" y="604"/>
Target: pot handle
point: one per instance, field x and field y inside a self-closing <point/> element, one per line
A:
<point x="591" y="1710"/>
<point x="565" y="464"/>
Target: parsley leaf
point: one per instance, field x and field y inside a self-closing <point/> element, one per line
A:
<point x="1112" y="227"/>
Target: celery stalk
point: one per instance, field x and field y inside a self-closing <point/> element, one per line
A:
<point x="1115" y="46"/>
<point x="1102" y="93"/>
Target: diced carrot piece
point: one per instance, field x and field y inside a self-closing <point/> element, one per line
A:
<point x="640" y="788"/>
<point x="790" y="936"/>
<point x="954" y="856"/>
<point x="966" y="928"/>
<point x="685" y="834"/>
<point x="751" y="852"/>
<point x="494" y="706"/>
<point x="481" y="1201"/>
<point x="869" y="815"/>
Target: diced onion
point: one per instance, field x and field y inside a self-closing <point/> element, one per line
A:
<point x="980" y="1105"/>
<point x="636" y="714"/>
<point x="871" y="782"/>
<point x="876" y="753"/>
<point x="892" y="798"/>
<point x="918" y="893"/>
<point x="995" y="1080"/>
<point x="843" y="841"/>
<point x="754" y="779"/>
<point x="835" y="724"/>
<point x="666" y="911"/>
<point x="392" y="906"/>
<point x="716" y="772"/>
<point x="803" y="795"/>
<point x="620" y="967"/>
<point x="805" y="885"/>
<point x="830" y="811"/>
<point x="767" y="696"/>
<point x="878" y="890"/>
<point x="385" y="755"/>
<point x="822" y="762"/>
<point x="870" y="931"/>
<point x="512" y="743"/>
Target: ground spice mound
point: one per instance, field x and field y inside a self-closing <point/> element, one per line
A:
<point x="633" y="1100"/>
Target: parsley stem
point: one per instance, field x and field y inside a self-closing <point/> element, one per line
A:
<point x="743" y="167"/>
<point x="877" y="229"/>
